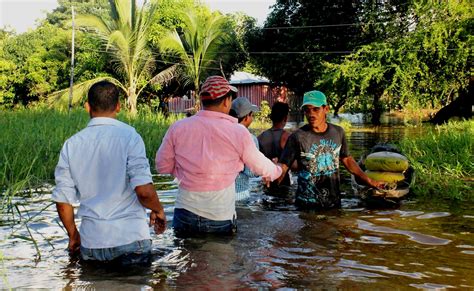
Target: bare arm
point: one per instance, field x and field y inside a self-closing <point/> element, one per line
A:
<point x="66" y="214"/>
<point x="256" y="161"/>
<point x="352" y="166"/>
<point x="284" y="170"/>
<point x="149" y="199"/>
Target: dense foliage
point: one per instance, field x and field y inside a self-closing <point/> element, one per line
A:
<point x="443" y="162"/>
<point x="116" y="40"/>
<point x="368" y="56"/>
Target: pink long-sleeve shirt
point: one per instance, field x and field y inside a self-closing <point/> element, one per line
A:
<point x="208" y="150"/>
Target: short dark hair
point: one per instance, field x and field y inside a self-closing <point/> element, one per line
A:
<point x="103" y="96"/>
<point x="215" y="102"/>
<point x="279" y="111"/>
<point x="234" y="114"/>
<point x="243" y="117"/>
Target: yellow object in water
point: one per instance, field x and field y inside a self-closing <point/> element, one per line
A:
<point x="389" y="177"/>
<point x="386" y="161"/>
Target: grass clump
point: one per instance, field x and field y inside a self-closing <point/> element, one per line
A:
<point x="443" y="161"/>
<point x="32" y="138"/>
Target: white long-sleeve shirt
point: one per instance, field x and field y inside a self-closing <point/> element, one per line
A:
<point x="99" y="167"/>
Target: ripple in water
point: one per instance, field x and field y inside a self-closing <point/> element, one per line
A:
<point x="412" y="235"/>
<point x="433" y="215"/>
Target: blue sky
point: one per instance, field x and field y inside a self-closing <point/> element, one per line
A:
<point x="22" y="14"/>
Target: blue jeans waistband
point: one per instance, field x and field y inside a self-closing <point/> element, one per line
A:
<point x="187" y="223"/>
<point x="137" y="249"/>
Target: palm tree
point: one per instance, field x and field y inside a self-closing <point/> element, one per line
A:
<point x="196" y="46"/>
<point x="124" y="34"/>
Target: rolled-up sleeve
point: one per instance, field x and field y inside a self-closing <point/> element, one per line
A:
<point x="65" y="190"/>
<point x="138" y="166"/>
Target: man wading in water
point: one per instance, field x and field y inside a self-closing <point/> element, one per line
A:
<point x="104" y="168"/>
<point x="318" y="147"/>
<point x="272" y="142"/>
<point x="205" y="153"/>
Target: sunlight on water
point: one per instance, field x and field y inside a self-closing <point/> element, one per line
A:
<point x="415" y="245"/>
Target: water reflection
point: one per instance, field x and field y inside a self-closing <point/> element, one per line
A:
<point x="416" y="245"/>
<point x="414" y="236"/>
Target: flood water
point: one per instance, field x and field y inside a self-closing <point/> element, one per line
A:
<point x="415" y="245"/>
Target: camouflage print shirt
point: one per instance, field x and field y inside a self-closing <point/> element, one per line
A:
<point x="318" y="156"/>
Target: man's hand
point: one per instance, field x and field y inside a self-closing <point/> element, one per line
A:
<point x="148" y="198"/>
<point x="74" y="245"/>
<point x="377" y="184"/>
<point x="66" y="214"/>
<point x="265" y="180"/>
<point x="158" y="221"/>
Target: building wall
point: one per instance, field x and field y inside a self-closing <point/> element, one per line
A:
<point x="255" y="92"/>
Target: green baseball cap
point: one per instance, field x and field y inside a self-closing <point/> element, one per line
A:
<point x="315" y="98"/>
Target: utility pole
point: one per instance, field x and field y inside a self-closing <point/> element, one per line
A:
<point x="71" y="81"/>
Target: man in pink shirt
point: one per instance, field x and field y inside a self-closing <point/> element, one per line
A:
<point x="205" y="153"/>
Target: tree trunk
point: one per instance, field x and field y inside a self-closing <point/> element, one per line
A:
<point x="461" y="107"/>
<point x="377" y="109"/>
<point x="338" y="105"/>
<point x="132" y="100"/>
<point x="197" y="100"/>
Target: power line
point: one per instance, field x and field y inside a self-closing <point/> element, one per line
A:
<point x="290" y="53"/>
<point x="335" y="52"/>
<point x="322" y="25"/>
<point x="334" y="25"/>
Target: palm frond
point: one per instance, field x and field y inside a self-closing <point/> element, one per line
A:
<point x="60" y="99"/>
<point x="171" y="42"/>
<point x="165" y="76"/>
<point x="93" y="22"/>
<point x="148" y="65"/>
<point x="125" y="12"/>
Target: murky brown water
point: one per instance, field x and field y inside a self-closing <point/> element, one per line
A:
<point x="419" y="244"/>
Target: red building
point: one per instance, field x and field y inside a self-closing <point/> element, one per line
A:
<point x="258" y="89"/>
<point x="255" y="88"/>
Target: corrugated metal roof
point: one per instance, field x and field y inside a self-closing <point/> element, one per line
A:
<point x="247" y="78"/>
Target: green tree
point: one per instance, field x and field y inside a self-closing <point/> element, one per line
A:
<point x="196" y="45"/>
<point x="61" y="15"/>
<point x="39" y="59"/>
<point x="298" y="36"/>
<point x="124" y="34"/>
<point x="424" y="67"/>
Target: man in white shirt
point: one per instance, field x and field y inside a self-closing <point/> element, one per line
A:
<point x="104" y="168"/>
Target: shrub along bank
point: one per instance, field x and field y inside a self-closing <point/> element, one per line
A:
<point x="443" y="161"/>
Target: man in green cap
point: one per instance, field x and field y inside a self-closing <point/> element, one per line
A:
<point x="318" y="147"/>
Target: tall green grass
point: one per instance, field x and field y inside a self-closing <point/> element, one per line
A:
<point x="443" y="160"/>
<point x="152" y="127"/>
<point x="32" y="138"/>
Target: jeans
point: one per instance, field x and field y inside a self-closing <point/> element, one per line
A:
<point x="137" y="252"/>
<point x="186" y="223"/>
